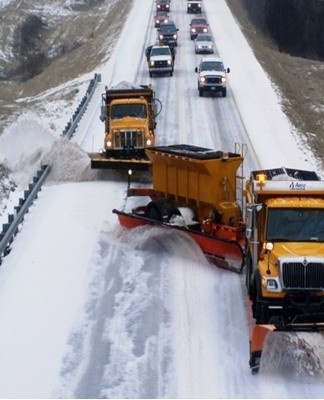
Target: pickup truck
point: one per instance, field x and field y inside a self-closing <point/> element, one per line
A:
<point x="168" y="34"/>
<point x="212" y="76"/>
<point x="160" y="59"/>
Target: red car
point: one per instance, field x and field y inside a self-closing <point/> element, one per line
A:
<point x="160" y="17"/>
<point x="163" y="5"/>
<point x="198" y="25"/>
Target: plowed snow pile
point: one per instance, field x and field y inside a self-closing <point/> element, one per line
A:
<point x="294" y="355"/>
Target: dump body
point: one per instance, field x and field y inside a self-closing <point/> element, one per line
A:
<point x="194" y="191"/>
<point x="198" y="177"/>
<point x="128" y="112"/>
<point x="285" y="262"/>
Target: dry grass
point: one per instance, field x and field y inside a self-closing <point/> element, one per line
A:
<point x="85" y="36"/>
<point x="301" y="81"/>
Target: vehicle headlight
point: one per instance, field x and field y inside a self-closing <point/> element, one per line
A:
<point x="223" y="79"/>
<point x="160" y="37"/>
<point x="202" y="79"/>
<point x="175" y="36"/>
<point x="148" y="142"/>
<point x="169" y="62"/>
<point x="205" y="30"/>
<point x="193" y="30"/>
<point x="109" y="143"/>
<point x="271" y="284"/>
<point x="152" y="63"/>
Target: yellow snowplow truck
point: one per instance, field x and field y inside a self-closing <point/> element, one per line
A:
<point x="285" y="232"/>
<point x="129" y="113"/>
<point x="285" y="254"/>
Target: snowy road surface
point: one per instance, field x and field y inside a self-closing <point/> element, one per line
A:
<point x="90" y="310"/>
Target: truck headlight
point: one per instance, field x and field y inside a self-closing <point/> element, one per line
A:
<point x="148" y="142"/>
<point x="109" y="143"/>
<point x="193" y="30"/>
<point x="174" y="36"/>
<point x="223" y="79"/>
<point x="271" y="284"/>
<point x="202" y="79"/>
<point x="205" y="30"/>
<point x="152" y="63"/>
<point x="161" y="37"/>
<point x="169" y="62"/>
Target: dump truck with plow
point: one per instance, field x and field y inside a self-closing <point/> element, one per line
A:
<point x="194" y="190"/>
<point x="285" y="254"/>
<point x="272" y="224"/>
<point x="129" y="113"/>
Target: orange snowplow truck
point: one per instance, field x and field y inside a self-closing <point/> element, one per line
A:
<point x="194" y="190"/>
<point x="129" y="113"/>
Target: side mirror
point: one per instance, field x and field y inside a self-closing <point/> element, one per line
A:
<point x="228" y="70"/>
<point x="196" y="69"/>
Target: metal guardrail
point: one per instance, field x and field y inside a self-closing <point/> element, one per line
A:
<point x="10" y="229"/>
<point x="71" y="126"/>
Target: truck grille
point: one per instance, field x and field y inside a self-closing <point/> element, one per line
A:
<point x="129" y="139"/>
<point x="303" y="274"/>
<point x="161" y="64"/>
<point x="213" y="79"/>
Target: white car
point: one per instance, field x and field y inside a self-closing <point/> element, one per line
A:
<point x="204" y="43"/>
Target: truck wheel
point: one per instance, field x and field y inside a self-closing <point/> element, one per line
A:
<point x="152" y="211"/>
<point x="171" y="73"/>
<point x="249" y="282"/>
<point x="201" y="92"/>
<point x="259" y="309"/>
<point x="224" y="92"/>
<point x="151" y="74"/>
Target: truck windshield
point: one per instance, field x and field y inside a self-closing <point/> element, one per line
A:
<point x="295" y="225"/>
<point x="160" y="51"/>
<point x="212" y="66"/>
<point x="120" y="111"/>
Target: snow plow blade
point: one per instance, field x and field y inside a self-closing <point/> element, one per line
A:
<point x="224" y="253"/>
<point x="100" y="161"/>
<point x="279" y="335"/>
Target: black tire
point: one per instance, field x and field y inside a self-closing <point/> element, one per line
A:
<point x="151" y="74"/>
<point x="201" y="92"/>
<point x="224" y="92"/>
<point x="153" y="212"/>
<point x="249" y="281"/>
<point x="259" y="309"/>
<point x="171" y="73"/>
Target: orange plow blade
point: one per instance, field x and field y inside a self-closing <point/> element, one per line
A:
<point x="257" y="340"/>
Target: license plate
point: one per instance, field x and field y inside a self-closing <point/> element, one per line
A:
<point x="213" y="88"/>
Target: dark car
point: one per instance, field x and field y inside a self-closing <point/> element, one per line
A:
<point x="194" y="6"/>
<point x="160" y="17"/>
<point x="168" y="34"/>
<point x="198" y="25"/>
<point x="162" y="5"/>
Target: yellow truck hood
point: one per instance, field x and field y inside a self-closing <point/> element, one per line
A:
<point x="298" y="249"/>
<point x="128" y="123"/>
